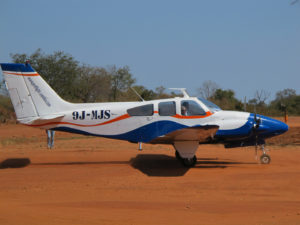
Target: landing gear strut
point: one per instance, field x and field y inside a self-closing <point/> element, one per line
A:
<point x="187" y="162"/>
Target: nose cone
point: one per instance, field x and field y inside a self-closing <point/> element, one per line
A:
<point x="270" y="127"/>
<point x="283" y="127"/>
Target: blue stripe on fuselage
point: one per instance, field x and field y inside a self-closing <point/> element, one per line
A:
<point x="243" y="131"/>
<point x="142" y="134"/>
<point x="156" y="129"/>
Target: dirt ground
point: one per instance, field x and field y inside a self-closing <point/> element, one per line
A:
<point x="87" y="180"/>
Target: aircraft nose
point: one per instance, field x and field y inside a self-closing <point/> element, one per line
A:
<point x="272" y="127"/>
<point x="283" y="127"/>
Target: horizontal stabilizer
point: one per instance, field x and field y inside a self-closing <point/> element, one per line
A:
<point x="39" y="120"/>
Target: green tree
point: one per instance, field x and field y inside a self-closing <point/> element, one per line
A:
<point x="93" y="84"/>
<point x="226" y="100"/>
<point x="286" y="99"/>
<point x="258" y="103"/>
<point x="145" y="93"/>
<point x="59" y="69"/>
<point x="6" y="110"/>
<point x="121" y="80"/>
<point x="285" y="94"/>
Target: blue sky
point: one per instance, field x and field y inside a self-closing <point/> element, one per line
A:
<point x="240" y="45"/>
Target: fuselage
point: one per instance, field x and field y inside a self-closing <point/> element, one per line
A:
<point x="148" y="120"/>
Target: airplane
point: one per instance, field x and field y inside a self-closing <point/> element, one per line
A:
<point x="184" y="122"/>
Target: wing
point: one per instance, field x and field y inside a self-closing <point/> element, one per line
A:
<point x="201" y="134"/>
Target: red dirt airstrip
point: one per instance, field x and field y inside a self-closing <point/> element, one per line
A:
<point x="87" y="180"/>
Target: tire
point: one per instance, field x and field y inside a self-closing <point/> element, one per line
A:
<point x="265" y="159"/>
<point x="189" y="162"/>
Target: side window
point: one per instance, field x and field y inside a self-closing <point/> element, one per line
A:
<point x="145" y="110"/>
<point x="191" y="108"/>
<point x="167" y="108"/>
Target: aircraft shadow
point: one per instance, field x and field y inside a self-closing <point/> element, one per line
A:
<point x="79" y="163"/>
<point x="167" y="166"/>
<point x="213" y="163"/>
<point x="158" y="165"/>
<point x="151" y="165"/>
<point x="15" y="163"/>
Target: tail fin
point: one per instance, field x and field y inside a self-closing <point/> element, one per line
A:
<point x="31" y="96"/>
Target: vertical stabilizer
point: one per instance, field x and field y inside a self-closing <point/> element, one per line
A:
<point x="30" y="94"/>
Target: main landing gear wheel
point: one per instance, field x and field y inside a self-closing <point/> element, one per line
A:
<point x="187" y="162"/>
<point x="265" y="159"/>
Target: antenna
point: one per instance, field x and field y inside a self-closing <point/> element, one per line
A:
<point x="183" y="90"/>
<point x="137" y="94"/>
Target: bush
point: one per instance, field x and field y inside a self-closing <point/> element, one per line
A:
<point x="7" y="113"/>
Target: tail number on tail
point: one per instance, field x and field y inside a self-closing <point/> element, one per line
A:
<point x="93" y="115"/>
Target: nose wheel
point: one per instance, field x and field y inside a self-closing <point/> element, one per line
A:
<point x="265" y="158"/>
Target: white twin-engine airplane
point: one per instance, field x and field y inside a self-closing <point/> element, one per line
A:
<point x="183" y="122"/>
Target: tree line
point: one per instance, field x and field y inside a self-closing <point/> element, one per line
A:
<point x="285" y="100"/>
<point x="77" y="82"/>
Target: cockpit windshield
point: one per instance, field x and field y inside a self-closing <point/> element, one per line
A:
<point x="212" y="107"/>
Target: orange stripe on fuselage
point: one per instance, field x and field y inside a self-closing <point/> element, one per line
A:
<point x="21" y="74"/>
<point x="125" y="116"/>
<point x="192" y="117"/>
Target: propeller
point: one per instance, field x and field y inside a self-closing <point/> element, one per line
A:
<point x="257" y="122"/>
